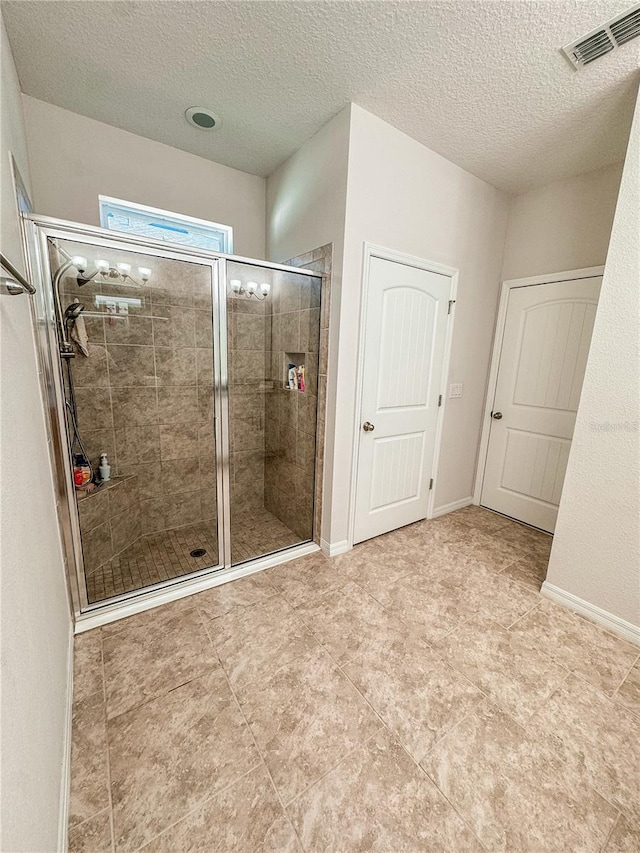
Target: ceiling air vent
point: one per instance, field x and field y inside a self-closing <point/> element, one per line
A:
<point x="626" y="28"/>
<point x="604" y="38"/>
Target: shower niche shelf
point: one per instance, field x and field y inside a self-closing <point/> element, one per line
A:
<point x="297" y="358"/>
<point x="113" y="483"/>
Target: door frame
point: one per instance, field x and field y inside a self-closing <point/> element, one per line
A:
<point x="370" y="251"/>
<point x="498" y="336"/>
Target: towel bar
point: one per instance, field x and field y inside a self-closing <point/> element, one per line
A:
<point x="17" y="284"/>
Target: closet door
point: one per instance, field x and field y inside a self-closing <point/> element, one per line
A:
<point x="405" y="337"/>
<point x="542" y="362"/>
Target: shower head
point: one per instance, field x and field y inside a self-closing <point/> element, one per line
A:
<point x="73" y="311"/>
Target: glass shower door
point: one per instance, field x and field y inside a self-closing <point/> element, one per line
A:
<point x="136" y="339"/>
<point x="273" y="329"/>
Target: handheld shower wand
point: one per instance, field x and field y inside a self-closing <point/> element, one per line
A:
<point x="66" y="349"/>
<point x="72" y="312"/>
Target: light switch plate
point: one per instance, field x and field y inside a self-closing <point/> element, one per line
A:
<point x="455" y="390"/>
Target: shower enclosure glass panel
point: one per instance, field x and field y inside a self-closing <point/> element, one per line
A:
<point x="137" y="361"/>
<point x="273" y="319"/>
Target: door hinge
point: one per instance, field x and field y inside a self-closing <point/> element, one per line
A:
<point x="430" y="484"/>
<point x="439" y="399"/>
<point x="451" y="302"/>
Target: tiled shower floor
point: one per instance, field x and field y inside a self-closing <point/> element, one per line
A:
<point x="415" y="694"/>
<point x="153" y="559"/>
<point x="165" y="556"/>
<point x="257" y="533"/>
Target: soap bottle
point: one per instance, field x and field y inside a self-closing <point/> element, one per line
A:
<point x="105" y="468"/>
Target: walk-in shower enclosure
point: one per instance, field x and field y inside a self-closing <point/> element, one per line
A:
<point x="196" y="375"/>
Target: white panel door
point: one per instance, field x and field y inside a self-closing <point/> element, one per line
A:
<point x="542" y="362"/>
<point x="404" y="349"/>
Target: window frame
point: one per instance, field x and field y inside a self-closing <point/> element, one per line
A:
<point x="105" y="201"/>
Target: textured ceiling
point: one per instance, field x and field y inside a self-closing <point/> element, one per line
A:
<point x="482" y="83"/>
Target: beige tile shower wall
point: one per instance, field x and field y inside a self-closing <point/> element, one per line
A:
<point x="109" y="521"/>
<point x="145" y="394"/>
<point x="248" y="348"/>
<point x="293" y="462"/>
<point x="320" y="260"/>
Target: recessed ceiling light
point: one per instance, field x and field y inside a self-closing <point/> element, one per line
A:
<point x="202" y="118"/>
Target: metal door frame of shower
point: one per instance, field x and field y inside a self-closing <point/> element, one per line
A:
<point x="36" y="231"/>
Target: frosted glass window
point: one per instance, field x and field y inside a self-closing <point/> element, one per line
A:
<point x="130" y="218"/>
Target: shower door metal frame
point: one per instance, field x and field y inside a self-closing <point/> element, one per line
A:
<point x="36" y="231"/>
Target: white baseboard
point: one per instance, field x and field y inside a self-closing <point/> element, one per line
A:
<point x="333" y="549"/>
<point x="65" y="779"/>
<point x="612" y="623"/>
<point x="452" y="507"/>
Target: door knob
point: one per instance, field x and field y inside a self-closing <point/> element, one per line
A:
<point x="367" y="427"/>
<point x="496" y="415"/>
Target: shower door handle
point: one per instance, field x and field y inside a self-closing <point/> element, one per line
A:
<point x="367" y="427"/>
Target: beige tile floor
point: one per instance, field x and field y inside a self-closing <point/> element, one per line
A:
<point x="415" y="694"/>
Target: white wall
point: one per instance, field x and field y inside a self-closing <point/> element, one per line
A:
<point x="306" y="195"/>
<point x="596" y="549"/>
<point x="563" y="226"/>
<point x="74" y="159"/>
<point x="35" y="621"/>
<point x="306" y="200"/>
<point x="403" y="196"/>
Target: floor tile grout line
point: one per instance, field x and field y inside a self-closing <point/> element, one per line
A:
<point x="282" y="666"/>
<point x="627" y="674"/>
<point x="547" y="773"/>
<point x="523" y="615"/>
<point x="579" y="675"/>
<point x="611" y="831"/>
<point x="583" y="679"/>
<point x="333" y="767"/>
<point x="337" y="666"/>
<point x="157" y="696"/>
<point x="395" y="737"/>
<point x="197" y="808"/>
<point x="87" y="819"/>
<point x="421" y="639"/>
<point x="456" y="627"/>
<point x="341" y="590"/>
<point x="452" y="664"/>
<point x="481" y="689"/>
<point x="235" y="606"/>
<point x="552" y="748"/>
<point x="486" y="700"/>
<point x="421" y="770"/>
<point x="541" y="652"/>
<point x="255" y="742"/>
